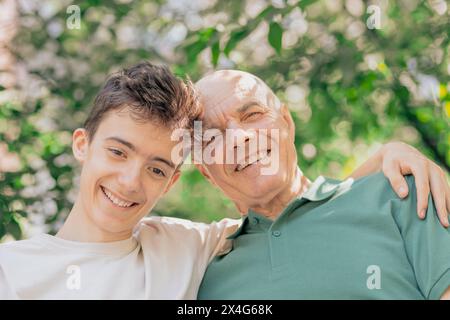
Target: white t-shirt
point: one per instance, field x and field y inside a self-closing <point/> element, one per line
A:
<point x="165" y="259"/>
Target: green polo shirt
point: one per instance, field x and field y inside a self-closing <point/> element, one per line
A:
<point x="340" y="240"/>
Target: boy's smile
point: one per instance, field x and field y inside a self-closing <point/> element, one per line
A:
<point x="117" y="201"/>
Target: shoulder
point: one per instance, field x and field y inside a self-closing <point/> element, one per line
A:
<point x="379" y="183"/>
<point x="372" y="192"/>
<point x="159" y="224"/>
<point x="158" y="227"/>
<point x="375" y="184"/>
<point x="376" y="191"/>
<point x="20" y="249"/>
<point x="28" y="244"/>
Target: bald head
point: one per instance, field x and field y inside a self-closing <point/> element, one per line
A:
<point x="231" y="86"/>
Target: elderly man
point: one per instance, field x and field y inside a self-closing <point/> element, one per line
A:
<point x="299" y="239"/>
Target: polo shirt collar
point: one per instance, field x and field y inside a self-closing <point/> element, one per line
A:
<point x="321" y="189"/>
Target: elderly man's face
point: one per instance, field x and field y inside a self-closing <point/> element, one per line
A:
<point x="240" y="104"/>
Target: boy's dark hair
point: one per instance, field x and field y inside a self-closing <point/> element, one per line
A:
<point x="150" y="93"/>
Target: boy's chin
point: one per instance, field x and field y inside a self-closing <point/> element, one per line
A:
<point x="111" y="223"/>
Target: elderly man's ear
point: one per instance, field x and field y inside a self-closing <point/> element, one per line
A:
<point x="288" y="118"/>
<point x="205" y="173"/>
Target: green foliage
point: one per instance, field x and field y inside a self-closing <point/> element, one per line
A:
<point x="348" y="87"/>
<point x="275" y="35"/>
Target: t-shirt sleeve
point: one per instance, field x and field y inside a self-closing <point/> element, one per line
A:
<point x="427" y="244"/>
<point x="203" y="240"/>
<point x="216" y="241"/>
<point x="184" y="246"/>
<point x="5" y="290"/>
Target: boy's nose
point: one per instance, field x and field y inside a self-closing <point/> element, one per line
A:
<point x="130" y="180"/>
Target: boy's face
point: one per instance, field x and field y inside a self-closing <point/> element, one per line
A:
<point x="126" y="168"/>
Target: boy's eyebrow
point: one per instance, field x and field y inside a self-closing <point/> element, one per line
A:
<point x="168" y="162"/>
<point x="124" y="142"/>
<point x="132" y="147"/>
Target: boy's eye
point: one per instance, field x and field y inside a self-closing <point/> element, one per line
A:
<point x="159" y="172"/>
<point x="116" y="152"/>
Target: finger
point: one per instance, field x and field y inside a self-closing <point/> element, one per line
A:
<point x="438" y="190"/>
<point x="392" y="171"/>
<point x="423" y="188"/>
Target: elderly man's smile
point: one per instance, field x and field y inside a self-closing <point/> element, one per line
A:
<point x="258" y="158"/>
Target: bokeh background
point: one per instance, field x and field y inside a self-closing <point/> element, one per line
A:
<point x="354" y="73"/>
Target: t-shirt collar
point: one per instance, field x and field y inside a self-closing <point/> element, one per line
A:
<point x="116" y="248"/>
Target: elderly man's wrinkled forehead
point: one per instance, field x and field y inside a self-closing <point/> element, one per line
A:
<point x="231" y="87"/>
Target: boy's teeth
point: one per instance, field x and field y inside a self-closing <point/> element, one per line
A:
<point x="117" y="201"/>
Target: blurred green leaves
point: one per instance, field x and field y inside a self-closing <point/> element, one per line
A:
<point x="348" y="88"/>
<point x="200" y="41"/>
<point x="275" y="35"/>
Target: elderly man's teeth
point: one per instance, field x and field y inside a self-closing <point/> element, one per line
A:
<point x="264" y="159"/>
<point x="241" y="167"/>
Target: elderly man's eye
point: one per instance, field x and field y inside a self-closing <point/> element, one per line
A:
<point x="252" y="115"/>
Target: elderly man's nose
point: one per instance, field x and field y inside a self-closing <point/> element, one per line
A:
<point x="233" y="124"/>
<point x="244" y="137"/>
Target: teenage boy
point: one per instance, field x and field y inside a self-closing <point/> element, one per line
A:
<point x="125" y="153"/>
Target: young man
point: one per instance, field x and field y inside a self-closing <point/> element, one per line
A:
<point x="125" y="153"/>
<point x="301" y="240"/>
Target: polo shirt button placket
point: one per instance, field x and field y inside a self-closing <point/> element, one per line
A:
<point x="276" y="233"/>
<point x="279" y="256"/>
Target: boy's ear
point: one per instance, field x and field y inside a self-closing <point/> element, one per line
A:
<point x="205" y="173"/>
<point x="174" y="179"/>
<point x="80" y="144"/>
